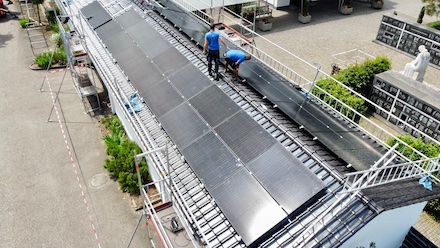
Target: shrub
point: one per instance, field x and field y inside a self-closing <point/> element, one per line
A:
<point x="429" y="149"/>
<point x="435" y="25"/>
<point x="121" y="163"/>
<point x="43" y="59"/>
<point x="340" y="93"/>
<point x="23" y="22"/>
<point x="360" y="77"/>
<point x="433" y="208"/>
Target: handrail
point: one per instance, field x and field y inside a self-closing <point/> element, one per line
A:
<point x="391" y="173"/>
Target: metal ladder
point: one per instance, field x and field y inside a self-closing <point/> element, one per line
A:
<point x="34" y="29"/>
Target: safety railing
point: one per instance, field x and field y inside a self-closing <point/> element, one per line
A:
<point x="197" y="12"/>
<point x="163" y="237"/>
<point x="392" y="173"/>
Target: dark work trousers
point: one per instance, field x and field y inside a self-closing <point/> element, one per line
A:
<point x="213" y="55"/>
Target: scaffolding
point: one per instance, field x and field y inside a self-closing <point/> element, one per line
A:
<point x="79" y="65"/>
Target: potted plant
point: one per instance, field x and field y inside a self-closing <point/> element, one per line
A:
<point x="377" y="4"/>
<point x="304" y="16"/>
<point x="346" y="7"/>
<point x="248" y="14"/>
<point x="265" y="25"/>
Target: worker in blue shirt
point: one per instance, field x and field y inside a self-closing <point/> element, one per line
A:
<point x="213" y="46"/>
<point x="235" y="58"/>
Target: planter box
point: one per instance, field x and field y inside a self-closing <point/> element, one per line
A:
<point x="304" y="19"/>
<point x="346" y="10"/>
<point x="265" y="26"/>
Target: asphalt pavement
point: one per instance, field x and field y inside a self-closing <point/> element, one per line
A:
<point x="54" y="190"/>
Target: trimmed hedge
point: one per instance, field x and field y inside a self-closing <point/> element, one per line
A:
<point x="121" y="163"/>
<point x="358" y="77"/>
<point x="435" y="25"/>
<point x="340" y="93"/>
<point x="429" y="149"/>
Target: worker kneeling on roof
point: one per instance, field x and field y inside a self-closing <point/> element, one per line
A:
<point x="235" y="58"/>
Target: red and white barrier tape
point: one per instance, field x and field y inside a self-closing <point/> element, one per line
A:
<point x="73" y="164"/>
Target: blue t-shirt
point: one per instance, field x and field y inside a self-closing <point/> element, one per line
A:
<point x="236" y="55"/>
<point x="212" y="38"/>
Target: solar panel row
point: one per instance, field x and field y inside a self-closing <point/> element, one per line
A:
<point x="254" y="180"/>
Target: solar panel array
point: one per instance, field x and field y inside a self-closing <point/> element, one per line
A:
<point x="254" y="180"/>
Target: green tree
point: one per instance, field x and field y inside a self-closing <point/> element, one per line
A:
<point x="432" y="8"/>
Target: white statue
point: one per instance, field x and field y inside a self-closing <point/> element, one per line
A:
<point x="418" y="65"/>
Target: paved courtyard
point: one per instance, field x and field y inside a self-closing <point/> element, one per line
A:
<point x="331" y="33"/>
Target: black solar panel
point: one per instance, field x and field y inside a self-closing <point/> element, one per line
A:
<point x="145" y="36"/>
<point x="345" y="142"/>
<point x="214" y="105"/>
<point x="251" y="211"/>
<point x="162" y="97"/>
<point x="119" y="42"/>
<point x="191" y="26"/>
<point x="279" y="172"/>
<point x="170" y="60"/>
<point x="189" y="80"/>
<point x="245" y="136"/>
<point x="137" y="67"/>
<point x="129" y="18"/>
<point x="107" y="30"/>
<point x="211" y="160"/>
<point x="95" y="14"/>
<point x="183" y="125"/>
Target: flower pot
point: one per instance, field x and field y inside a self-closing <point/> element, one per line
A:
<point x="345" y="10"/>
<point x="376" y="4"/>
<point x="304" y="19"/>
<point x="265" y="26"/>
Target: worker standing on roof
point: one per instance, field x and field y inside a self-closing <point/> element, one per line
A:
<point x="235" y="58"/>
<point x="212" y="39"/>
